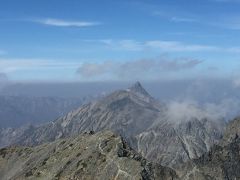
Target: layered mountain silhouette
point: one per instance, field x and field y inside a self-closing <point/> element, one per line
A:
<point x="17" y="111"/>
<point x="138" y="118"/>
<point x="125" y="135"/>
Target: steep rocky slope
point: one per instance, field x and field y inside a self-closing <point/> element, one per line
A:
<point x="173" y="144"/>
<point x="136" y="116"/>
<point x="232" y="131"/>
<point x="219" y="163"/>
<point x="222" y="162"/>
<point x="87" y="156"/>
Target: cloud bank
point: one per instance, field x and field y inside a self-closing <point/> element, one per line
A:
<point x="138" y="69"/>
<point x="161" y="46"/>
<point x="12" y="65"/>
<point x="184" y="111"/>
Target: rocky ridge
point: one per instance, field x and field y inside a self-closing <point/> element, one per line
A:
<point x="87" y="156"/>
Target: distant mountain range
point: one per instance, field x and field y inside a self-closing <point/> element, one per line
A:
<point x="124" y="135"/>
<point x="17" y="111"/>
<point x="138" y="118"/>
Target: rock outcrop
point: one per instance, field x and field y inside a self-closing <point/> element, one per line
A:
<point x="103" y="155"/>
<point x="220" y="163"/>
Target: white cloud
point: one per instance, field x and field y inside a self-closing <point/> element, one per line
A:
<point x="177" y="17"/>
<point x="146" y="69"/>
<point x="226" y="21"/>
<point x="184" y="111"/>
<point x="124" y="44"/>
<point x="65" y="23"/>
<point x="180" y="19"/>
<point x="12" y="65"/>
<point x="169" y="46"/>
<point x="161" y="46"/>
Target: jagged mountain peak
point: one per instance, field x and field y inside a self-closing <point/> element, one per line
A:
<point x="138" y="88"/>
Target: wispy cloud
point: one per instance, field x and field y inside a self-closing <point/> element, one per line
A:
<point x="65" y="23"/>
<point x="12" y="65"/>
<point x="177" y="18"/>
<point x="180" y="19"/>
<point x="161" y="46"/>
<point x="183" y="111"/>
<point x="138" y="69"/>
<point x="178" y="46"/>
<point x="158" y="45"/>
<point x="217" y="20"/>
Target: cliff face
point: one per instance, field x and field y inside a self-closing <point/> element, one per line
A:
<point x="87" y="156"/>
<point x="222" y="162"/>
<point x="232" y="131"/>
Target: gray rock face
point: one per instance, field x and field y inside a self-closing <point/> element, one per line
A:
<point x="173" y="144"/>
<point x="220" y="163"/>
<point x="232" y="131"/>
<point x="136" y="116"/>
<point x="100" y="156"/>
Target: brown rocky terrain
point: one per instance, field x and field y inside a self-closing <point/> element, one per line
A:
<point x="100" y="156"/>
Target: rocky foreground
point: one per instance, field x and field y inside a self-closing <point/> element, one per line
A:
<point x="87" y="156"/>
<point x="105" y="155"/>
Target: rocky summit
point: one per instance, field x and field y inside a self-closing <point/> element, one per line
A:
<point x="88" y="156"/>
<point x="138" y="118"/>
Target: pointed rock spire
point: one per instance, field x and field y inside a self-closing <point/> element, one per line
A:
<point x="137" y="88"/>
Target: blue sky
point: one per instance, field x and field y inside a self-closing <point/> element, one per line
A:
<point x="92" y="40"/>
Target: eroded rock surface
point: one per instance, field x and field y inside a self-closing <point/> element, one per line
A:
<point x="87" y="156"/>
